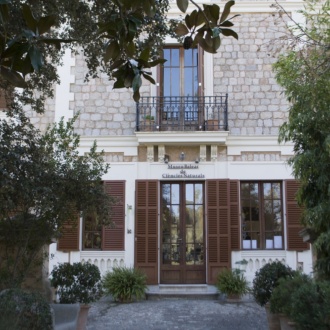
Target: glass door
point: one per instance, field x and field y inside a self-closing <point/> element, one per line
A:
<point x="182" y="233"/>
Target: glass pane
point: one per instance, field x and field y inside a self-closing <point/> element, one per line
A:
<point x="199" y="254"/>
<point x="189" y="194"/>
<point x="97" y="240"/>
<point x="188" y="57"/>
<point x="254" y="191"/>
<point x="255" y="212"/>
<point x="255" y="240"/>
<point x="174" y="82"/>
<point x="167" y="56"/>
<point x="189" y="83"/>
<point x="88" y="240"/>
<point x="198" y="193"/>
<point x="166" y="254"/>
<point x="269" y="244"/>
<point x="166" y="193"/>
<point x="245" y="190"/>
<point x="175" y="57"/>
<point x="175" y="254"/>
<point x="267" y="191"/>
<point x="190" y="254"/>
<point x="175" y="214"/>
<point x="278" y="221"/>
<point x="199" y="229"/>
<point x="277" y="190"/>
<point x="175" y="194"/>
<point x="269" y="221"/>
<point x="190" y="215"/>
<point x="167" y="82"/>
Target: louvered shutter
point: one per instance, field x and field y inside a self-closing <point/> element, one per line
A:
<point x="69" y="239"/>
<point x="113" y="238"/>
<point x="218" y="227"/>
<point x="234" y="215"/>
<point x="293" y="214"/>
<point x="3" y="101"/>
<point x="146" y="229"/>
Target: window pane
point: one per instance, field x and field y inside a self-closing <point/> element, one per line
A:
<point x="277" y="190"/>
<point x="175" y="194"/>
<point x="199" y="229"/>
<point x="188" y="57"/>
<point x="189" y="193"/>
<point x="166" y="193"/>
<point x="175" y="57"/>
<point x="198" y="193"/>
<point x="267" y="190"/>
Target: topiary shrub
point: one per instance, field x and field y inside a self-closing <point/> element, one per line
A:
<point x="311" y="306"/>
<point x="232" y="282"/>
<point x="21" y="310"/>
<point x="77" y="283"/>
<point x="281" y="298"/>
<point x="125" y="283"/>
<point x="266" y="279"/>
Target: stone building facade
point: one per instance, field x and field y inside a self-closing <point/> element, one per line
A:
<point x="193" y="198"/>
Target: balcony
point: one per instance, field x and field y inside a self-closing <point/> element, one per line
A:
<point x="182" y="113"/>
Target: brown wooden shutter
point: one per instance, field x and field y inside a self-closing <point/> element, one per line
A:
<point x="113" y="238"/>
<point x="234" y="215"/>
<point x="3" y="101"/>
<point x="146" y="228"/>
<point x="69" y="240"/>
<point x="293" y="215"/>
<point x="218" y="227"/>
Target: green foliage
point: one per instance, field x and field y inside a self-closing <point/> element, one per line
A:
<point x="311" y="306"/>
<point x="266" y="280"/>
<point x="305" y="76"/>
<point x="44" y="182"/>
<point x="124" y="284"/>
<point x="77" y="282"/>
<point x="281" y="298"/>
<point x="203" y="27"/>
<point x="232" y="282"/>
<point x="21" y="310"/>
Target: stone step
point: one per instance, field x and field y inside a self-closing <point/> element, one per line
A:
<point x="188" y="291"/>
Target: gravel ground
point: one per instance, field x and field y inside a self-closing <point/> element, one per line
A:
<point x="177" y="313"/>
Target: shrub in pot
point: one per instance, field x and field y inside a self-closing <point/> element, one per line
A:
<point x="232" y="282"/>
<point x="76" y="283"/>
<point x="22" y="310"/>
<point x="281" y="298"/>
<point x="311" y="306"/>
<point x="266" y="280"/>
<point x="124" y="284"/>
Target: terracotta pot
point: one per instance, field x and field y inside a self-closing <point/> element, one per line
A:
<point x="82" y="317"/>
<point x="273" y="319"/>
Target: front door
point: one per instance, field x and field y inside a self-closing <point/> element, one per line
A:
<point x="182" y="233"/>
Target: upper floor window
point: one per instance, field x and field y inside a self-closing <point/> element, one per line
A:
<point x="262" y="215"/>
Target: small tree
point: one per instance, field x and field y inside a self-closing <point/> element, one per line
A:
<point x="304" y="73"/>
<point x="44" y="182"/>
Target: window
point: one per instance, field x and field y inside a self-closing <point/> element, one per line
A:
<point x="261" y="215"/>
<point x="92" y="237"/>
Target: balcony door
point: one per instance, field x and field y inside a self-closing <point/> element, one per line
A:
<point x="182" y="233"/>
<point x="181" y="88"/>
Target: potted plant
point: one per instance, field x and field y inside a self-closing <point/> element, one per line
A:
<point x="281" y="298"/>
<point x="77" y="283"/>
<point x="233" y="283"/>
<point x="124" y="284"/>
<point x="265" y="281"/>
<point x="149" y="122"/>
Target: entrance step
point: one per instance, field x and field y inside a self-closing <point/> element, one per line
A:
<point x="186" y="291"/>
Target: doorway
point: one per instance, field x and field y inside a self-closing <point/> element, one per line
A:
<point x="182" y="233"/>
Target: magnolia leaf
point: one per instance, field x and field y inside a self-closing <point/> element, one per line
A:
<point x="35" y="57"/>
<point x="119" y="83"/>
<point x="227" y="24"/>
<point x="156" y="62"/>
<point x="13" y="77"/>
<point x="215" y="32"/>
<point x="130" y="49"/>
<point x="45" y="23"/>
<point x="182" y="4"/>
<point x="137" y="82"/>
<point x="145" y="54"/>
<point x="181" y="30"/>
<point x="226" y="10"/>
<point x="116" y="64"/>
<point x="214" y="11"/>
<point x="189" y="21"/>
<point x="112" y="51"/>
<point x="229" y="32"/>
<point x="4" y="11"/>
<point x="146" y="76"/>
<point x="29" y="18"/>
<point x="136" y="96"/>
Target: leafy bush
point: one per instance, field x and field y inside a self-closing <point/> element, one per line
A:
<point x="281" y="298"/>
<point x="78" y="282"/>
<point x="266" y="279"/>
<point x="232" y="282"/>
<point x="125" y="283"/>
<point x="21" y="310"/>
<point x="311" y="306"/>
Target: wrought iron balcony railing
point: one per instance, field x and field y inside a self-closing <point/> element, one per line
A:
<point x="182" y="113"/>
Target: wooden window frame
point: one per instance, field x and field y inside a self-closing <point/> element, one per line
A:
<point x="262" y="231"/>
